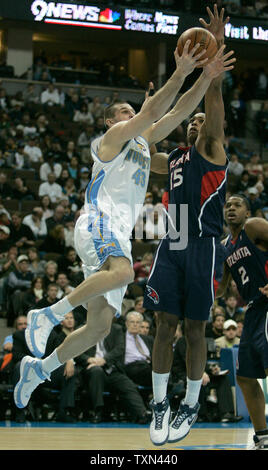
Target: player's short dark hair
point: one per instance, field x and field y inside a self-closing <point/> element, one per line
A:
<point x="110" y="110"/>
<point x="243" y="198"/>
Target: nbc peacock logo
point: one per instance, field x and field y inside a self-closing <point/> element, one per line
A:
<point x="109" y="16"/>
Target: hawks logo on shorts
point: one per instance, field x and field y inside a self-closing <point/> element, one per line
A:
<point x="153" y="295"/>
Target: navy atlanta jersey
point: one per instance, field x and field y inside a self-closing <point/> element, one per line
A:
<point x="201" y="185"/>
<point x="248" y="265"/>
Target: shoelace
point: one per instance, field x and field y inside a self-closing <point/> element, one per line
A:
<point x="159" y="416"/>
<point x="179" y="419"/>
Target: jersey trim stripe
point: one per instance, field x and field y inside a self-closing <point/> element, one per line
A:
<point x="206" y="202"/>
<point x="213" y="269"/>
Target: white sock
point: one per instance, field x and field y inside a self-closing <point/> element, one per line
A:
<point x="62" y="307"/>
<point x="51" y="362"/>
<point x="160" y="382"/>
<point x="192" y="392"/>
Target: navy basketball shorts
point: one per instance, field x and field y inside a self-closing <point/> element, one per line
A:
<point x="253" y="347"/>
<point x="183" y="282"/>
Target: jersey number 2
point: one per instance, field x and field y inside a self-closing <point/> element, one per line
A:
<point x="243" y="274"/>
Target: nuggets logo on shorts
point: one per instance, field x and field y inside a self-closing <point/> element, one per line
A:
<point x="152" y="294"/>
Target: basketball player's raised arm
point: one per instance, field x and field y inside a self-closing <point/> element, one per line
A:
<point x="154" y="107"/>
<point x="191" y="99"/>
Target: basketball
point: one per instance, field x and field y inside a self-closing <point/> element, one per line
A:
<point x="205" y="38"/>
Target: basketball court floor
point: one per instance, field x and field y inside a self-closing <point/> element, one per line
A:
<point x="110" y="436"/>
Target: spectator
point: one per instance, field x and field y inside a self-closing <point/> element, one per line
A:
<point x="145" y="328"/>
<point x="142" y="269"/>
<point x="26" y="125"/>
<point x="86" y="136"/>
<point x="54" y="242"/>
<point x="5" y="189"/>
<point x="21" y="159"/>
<point x="70" y="150"/>
<point x="20" y="234"/>
<point x="63" y="177"/>
<point x="32" y="149"/>
<point x="229" y="338"/>
<point x="51" y="189"/>
<point x="69" y="190"/>
<point x="50" y="96"/>
<point x="45" y="203"/>
<point x="8" y="264"/>
<point x="244" y="182"/>
<point x="18" y="281"/>
<point x="30" y="95"/>
<point x="83" y="115"/>
<point x="20" y="324"/>
<point x="214" y="329"/>
<point x="32" y="295"/>
<point x="36" y="265"/>
<point x="49" y="166"/>
<point x="254" y="167"/>
<point x="37" y="223"/>
<point x="96" y="108"/>
<point x="5" y="241"/>
<point x="63" y="283"/>
<point x="50" y="296"/>
<point x="102" y="370"/>
<point x="42" y="124"/>
<point x="69" y="263"/>
<point x="254" y="200"/>
<point x="84" y="178"/>
<point x="51" y="269"/>
<point x="73" y="168"/>
<point x="235" y="167"/>
<point x="57" y="218"/>
<point x="138" y="350"/>
<point x="232" y="311"/>
<point x="155" y="226"/>
<point x="21" y="190"/>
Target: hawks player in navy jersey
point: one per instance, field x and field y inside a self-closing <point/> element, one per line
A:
<point x="247" y="263"/>
<point x="181" y="282"/>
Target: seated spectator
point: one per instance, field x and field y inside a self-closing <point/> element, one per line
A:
<point x="70" y="151"/>
<point x="37" y="223"/>
<point x="69" y="190"/>
<point x="8" y="264"/>
<point x="235" y="167"/>
<point x="254" y="200"/>
<point x="49" y="166"/>
<point x="54" y="242"/>
<point x="19" y="324"/>
<point x="21" y="191"/>
<point x="63" y="178"/>
<point x="244" y="182"/>
<point x="21" y="159"/>
<point x="32" y="295"/>
<point x="49" y="296"/>
<point x="42" y="124"/>
<point x="45" y="203"/>
<point x="57" y="218"/>
<point x="84" y="178"/>
<point x="32" y="149"/>
<point x="5" y="188"/>
<point x="5" y="242"/>
<point x="64" y="286"/>
<point x="18" y="281"/>
<point x="86" y="136"/>
<point x="254" y="167"/>
<point x="145" y="328"/>
<point x="26" y="125"/>
<point x="101" y="369"/>
<point x="229" y="338"/>
<point x="20" y="234"/>
<point x="50" y="96"/>
<point x="50" y="275"/>
<point x="36" y="265"/>
<point x="138" y="350"/>
<point x="70" y="263"/>
<point x="214" y="329"/>
<point x="96" y="108"/>
<point x="73" y="169"/>
<point x="83" y="115"/>
<point x="30" y="94"/>
<point x="51" y="188"/>
<point x="232" y="311"/>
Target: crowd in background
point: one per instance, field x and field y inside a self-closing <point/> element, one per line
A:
<point x="45" y="167"/>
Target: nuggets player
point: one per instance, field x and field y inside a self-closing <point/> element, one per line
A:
<point x="181" y="282"/>
<point x="119" y="183"/>
<point x="247" y="263"/>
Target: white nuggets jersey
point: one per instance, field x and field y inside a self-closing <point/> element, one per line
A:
<point x="113" y="200"/>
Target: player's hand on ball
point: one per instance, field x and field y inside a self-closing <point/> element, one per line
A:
<point x="221" y="63"/>
<point x="188" y="61"/>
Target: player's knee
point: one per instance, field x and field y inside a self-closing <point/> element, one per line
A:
<point x="126" y="275"/>
<point x="166" y="327"/>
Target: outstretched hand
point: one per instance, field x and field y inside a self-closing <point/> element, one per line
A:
<point x="217" y="23"/>
<point x="221" y="63"/>
<point x="188" y="61"/>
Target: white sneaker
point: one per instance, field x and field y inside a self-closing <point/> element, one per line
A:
<point x="183" y="421"/>
<point x="260" y="442"/>
<point x="39" y="325"/>
<point x="31" y="375"/>
<point x="159" y="427"/>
